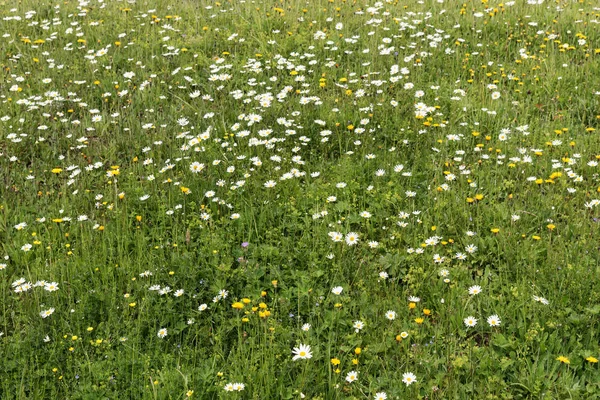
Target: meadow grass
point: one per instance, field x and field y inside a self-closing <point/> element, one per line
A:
<point x="283" y="200"/>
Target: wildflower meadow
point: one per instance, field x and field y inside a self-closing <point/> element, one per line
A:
<point x="323" y="199"/>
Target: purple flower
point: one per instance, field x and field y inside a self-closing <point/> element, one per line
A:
<point x="245" y="244"/>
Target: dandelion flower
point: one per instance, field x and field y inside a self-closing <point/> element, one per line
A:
<point x="563" y="359"/>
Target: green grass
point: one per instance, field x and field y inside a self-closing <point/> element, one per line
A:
<point x="513" y="178"/>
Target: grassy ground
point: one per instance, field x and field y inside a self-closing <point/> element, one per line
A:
<point x="192" y="192"/>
